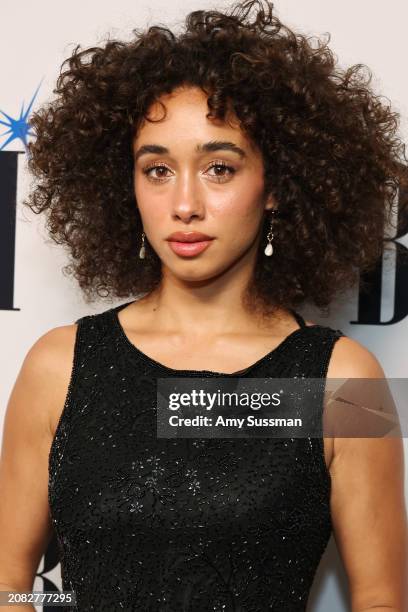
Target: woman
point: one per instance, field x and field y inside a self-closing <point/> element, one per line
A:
<point x="229" y="174"/>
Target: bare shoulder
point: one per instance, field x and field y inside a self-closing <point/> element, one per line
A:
<point x="46" y="371"/>
<point x="51" y="351"/>
<point x="351" y="359"/>
<point x="54" y="340"/>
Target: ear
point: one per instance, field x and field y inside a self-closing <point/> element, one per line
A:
<point x="270" y="202"/>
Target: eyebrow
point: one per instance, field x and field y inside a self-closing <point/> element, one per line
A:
<point x="207" y="147"/>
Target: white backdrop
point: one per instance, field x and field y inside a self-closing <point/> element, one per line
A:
<point x="36" y="37"/>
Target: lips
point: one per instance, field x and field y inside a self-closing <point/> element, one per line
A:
<point x="189" y="244"/>
<point x="189" y="237"/>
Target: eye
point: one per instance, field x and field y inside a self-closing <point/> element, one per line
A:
<point x="220" y="165"/>
<point x="148" y="169"/>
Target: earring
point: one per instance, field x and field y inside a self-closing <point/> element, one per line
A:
<point x="142" y="252"/>
<point x="269" y="248"/>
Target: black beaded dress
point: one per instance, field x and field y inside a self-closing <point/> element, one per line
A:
<point x="150" y="524"/>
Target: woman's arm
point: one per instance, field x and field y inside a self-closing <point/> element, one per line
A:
<point x="367" y="503"/>
<point x="37" y="396"/>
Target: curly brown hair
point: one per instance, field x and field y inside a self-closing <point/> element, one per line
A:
<point x="332" y="156"/>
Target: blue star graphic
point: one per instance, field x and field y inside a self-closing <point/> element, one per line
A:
<point x="19" y="128"/>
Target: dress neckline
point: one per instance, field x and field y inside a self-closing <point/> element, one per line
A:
<point x="133" y="349"/>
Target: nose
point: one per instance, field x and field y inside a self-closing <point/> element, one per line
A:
<point x="187" y="197"/>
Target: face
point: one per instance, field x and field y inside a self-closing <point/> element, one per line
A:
<point x="193" y="174"/>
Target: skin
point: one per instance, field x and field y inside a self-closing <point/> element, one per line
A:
<point x="192" y="195"/>
<point x="367" y="505"/>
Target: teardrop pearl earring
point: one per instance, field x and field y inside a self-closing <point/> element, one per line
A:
<point x="142" y="252"/>
<point x="269" y="248"/>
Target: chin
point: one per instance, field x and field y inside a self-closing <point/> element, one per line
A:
<point x="194" y="271"/>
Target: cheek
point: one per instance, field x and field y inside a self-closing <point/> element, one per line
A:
<point x="154" y="221"/>
<point x="139" y="192"/>
<point x="151" y="208"/>
<point x="238" y="213"/>
<point x="241" y="198"/>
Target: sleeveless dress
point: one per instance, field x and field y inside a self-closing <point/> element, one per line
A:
<point x="152" y="524"/>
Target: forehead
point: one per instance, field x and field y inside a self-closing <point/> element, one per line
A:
<point x="184" y="117"/>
